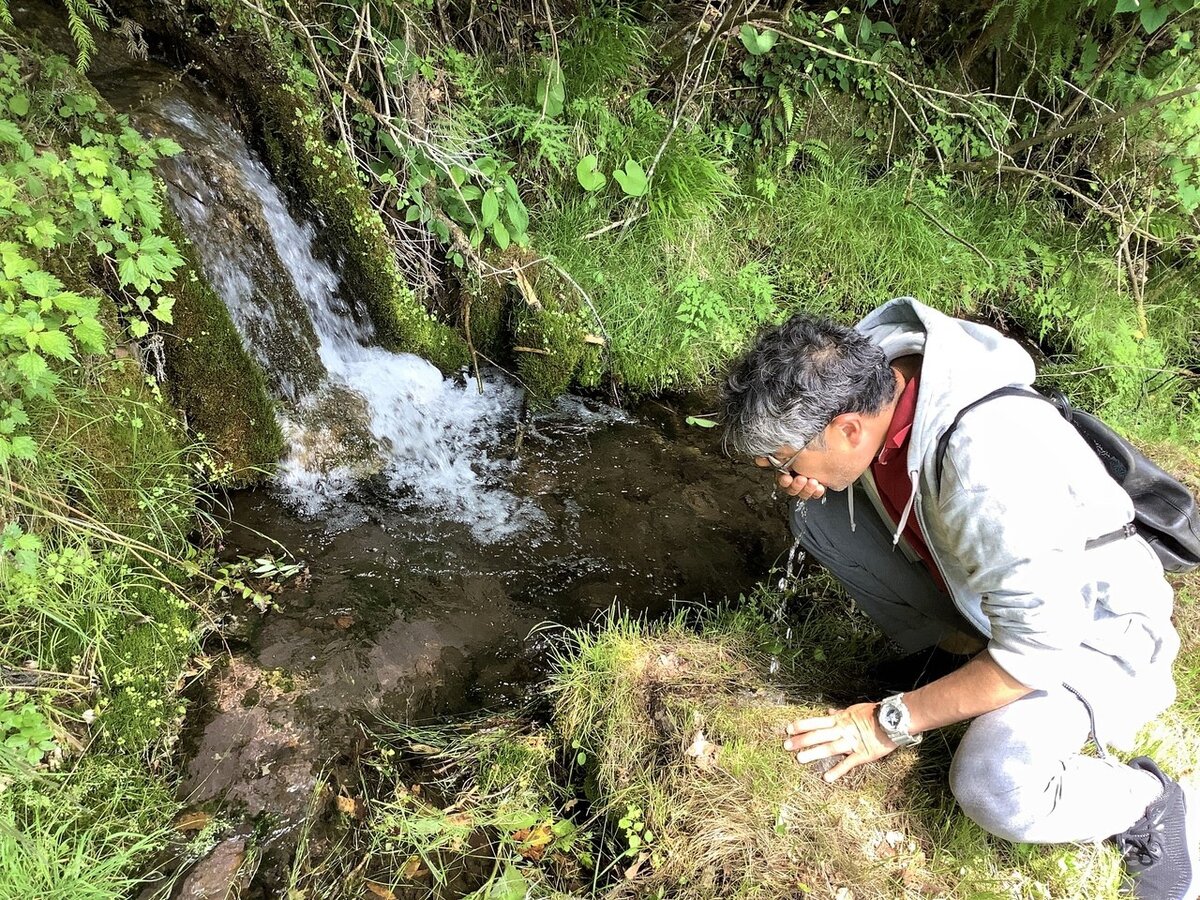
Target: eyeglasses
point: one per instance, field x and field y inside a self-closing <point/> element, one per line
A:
<point x="783" y="467"/>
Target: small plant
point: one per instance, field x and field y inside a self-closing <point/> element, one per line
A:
<point x="24" y="731"/>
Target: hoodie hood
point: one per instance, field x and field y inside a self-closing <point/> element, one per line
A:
<point x="962" y="361"/>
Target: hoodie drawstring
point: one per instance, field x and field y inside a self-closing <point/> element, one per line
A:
<point x="851" y="503"/>
<point x="912" y="498"/>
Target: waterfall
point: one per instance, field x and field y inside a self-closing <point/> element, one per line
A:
<point x="349" y="409"/>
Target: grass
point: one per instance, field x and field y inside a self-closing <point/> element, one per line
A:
<point x="652" y="767"/>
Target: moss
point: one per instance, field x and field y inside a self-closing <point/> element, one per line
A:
<point x="324" y="177"/>
<point x="143" y="710"/>
<point x="551" y="340"/>
<point x="487" y="299"/>
<point x="212" y="377"/>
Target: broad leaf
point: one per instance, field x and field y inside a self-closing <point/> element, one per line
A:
<point x="632" y="179"/>
<point x="490" y="209"/>
<point x="589" y="177"/>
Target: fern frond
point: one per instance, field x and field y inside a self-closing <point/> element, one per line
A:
<point x="5" y="14"/>
<point x="82" y="16"/>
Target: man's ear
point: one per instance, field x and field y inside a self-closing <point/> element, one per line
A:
<point x="850" y="427"/>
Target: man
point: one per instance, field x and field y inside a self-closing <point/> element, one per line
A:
<point x="998" y="552"/>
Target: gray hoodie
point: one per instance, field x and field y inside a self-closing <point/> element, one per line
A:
<point x="1021" y="495"/>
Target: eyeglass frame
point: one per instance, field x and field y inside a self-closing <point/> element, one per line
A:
<point x="784" y="468"/>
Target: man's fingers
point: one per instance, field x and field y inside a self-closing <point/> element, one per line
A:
<point x="811" y="724"/>
<point x="843" y="766"/>
<point x="838" y="747"/>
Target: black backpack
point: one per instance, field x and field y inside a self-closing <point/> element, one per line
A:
<point x="1164" y="511"/>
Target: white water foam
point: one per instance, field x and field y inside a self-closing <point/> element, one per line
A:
<point x="436" y="437"/>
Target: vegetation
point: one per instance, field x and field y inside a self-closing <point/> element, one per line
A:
<point x="604" y="196"/>
<point x="658" y="773"/>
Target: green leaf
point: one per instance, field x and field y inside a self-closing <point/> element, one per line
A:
<point x="551" y="92"/>
<point x="89" y="335"/>
<point x="40" y="284"/>
<point x="500" y="233"/>
<point x="139" y="328"/>
<point x="55" y="343"/>
<point x="633" y="179"/>
<point x="589" y="177"/>
<point x="111" y="205"/>
<point x="519" y="216"/>
<point x="10" y="133"/>
<point x="1152" y="17"/>
<point x="32" y="366"/>
<point x="701" y="422"/>
<point x="490" y="209"/>
<point x="19" y="104"/>
<point x="757" y="43"/>
<point x="1124" y="6"/>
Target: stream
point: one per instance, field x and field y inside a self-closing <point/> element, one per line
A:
<point x="442" y="529"/>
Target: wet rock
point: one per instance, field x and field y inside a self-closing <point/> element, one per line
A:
<point x="219" y="875"/>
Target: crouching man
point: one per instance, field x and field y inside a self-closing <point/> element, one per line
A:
<point x="1015" y="543"/>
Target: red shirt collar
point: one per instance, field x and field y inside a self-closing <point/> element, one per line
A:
<point x="902" y="421"/>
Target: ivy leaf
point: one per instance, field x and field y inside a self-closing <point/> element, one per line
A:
<point x="162" y="310"/>
<point x="139" y="328"/>
<point x="590" y="178"/>
<point x="633" y="179"/>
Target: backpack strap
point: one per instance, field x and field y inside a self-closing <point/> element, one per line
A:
<point x="1011" y="390"/>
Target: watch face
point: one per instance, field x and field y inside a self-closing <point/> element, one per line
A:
<point x="891" y="717"/>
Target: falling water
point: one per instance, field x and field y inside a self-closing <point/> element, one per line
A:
<point x="350" y="410"/>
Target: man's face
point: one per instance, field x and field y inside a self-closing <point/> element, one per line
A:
<point x="846" y="453"/>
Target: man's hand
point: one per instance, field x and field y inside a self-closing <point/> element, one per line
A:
<point x="794" y="485"/>
<point x="853" y="733"/>
<point x="800" y="487"/>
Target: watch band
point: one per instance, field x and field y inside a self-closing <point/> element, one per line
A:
<point x="895" y="721"/>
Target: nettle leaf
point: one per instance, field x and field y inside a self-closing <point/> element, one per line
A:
<point x="10" y="133"/>
<point x="162" y="310"/>
<point x="32" y="366"/>
<point x="632" y="179"/>
<point x="40" y="284"/>
<point x="89" y="335"/>
<point x="590" y="178"/>
<point x="55" y="343"/>
<point x="111" y="205"/>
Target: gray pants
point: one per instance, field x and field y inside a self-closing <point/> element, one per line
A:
<point x="1018" y="772"/>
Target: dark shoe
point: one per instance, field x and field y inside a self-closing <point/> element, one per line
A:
<point x="1160" y="848"/>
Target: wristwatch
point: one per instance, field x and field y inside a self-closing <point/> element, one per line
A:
<point x="895" y="721"/>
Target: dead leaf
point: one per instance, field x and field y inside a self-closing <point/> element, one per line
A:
<point x="379" y="890"/>
<point x="532" y="842"/>
<point x="412" y="868"/>
<point x="192" y="820"/>
<point x="424" y="748"/>
<point x="703" y="751"/>
<point x="351" y="806"/>
<point x="343" y="622"/>
<point x="632" y="871"/>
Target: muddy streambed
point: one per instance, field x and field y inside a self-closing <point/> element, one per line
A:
<point x="407" y="615"/>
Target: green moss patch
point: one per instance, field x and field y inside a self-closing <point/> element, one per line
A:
<point x="213" y="379"/>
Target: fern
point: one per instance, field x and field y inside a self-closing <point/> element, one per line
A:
<point x="5" y="15"/>
<point x="82" y="16"/>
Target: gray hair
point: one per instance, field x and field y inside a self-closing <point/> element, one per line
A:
<point x="796" y="379"/>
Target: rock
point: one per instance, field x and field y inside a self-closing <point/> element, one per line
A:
<point x="217" y="876"/>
